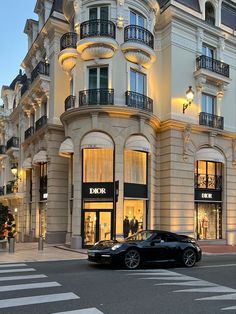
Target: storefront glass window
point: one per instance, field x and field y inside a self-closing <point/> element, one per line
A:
<point x="208" y="175"/>
<point x="135" y="167"/>
<point x="134" y="216"/>
<point x="209" y="221"/>
<point x="97" y="165"/>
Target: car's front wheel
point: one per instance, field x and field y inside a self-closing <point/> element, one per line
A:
<point x="189" y="258"/>
<point x="132" y="259"/>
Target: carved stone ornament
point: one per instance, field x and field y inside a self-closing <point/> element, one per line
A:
<point x="186" y="140"/>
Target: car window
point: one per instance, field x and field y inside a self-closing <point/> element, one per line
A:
<point x="168" y="238"/>
<point x="140" y="236"/>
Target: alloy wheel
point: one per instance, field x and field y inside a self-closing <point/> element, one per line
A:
<point x="132" y="259"/>
<point x="189" y="258"/>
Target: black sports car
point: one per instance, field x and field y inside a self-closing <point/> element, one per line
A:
<point x="149" y="246"/>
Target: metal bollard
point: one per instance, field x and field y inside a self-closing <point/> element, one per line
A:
<point x="40" y="244"/>
<point x="11" y="245"/>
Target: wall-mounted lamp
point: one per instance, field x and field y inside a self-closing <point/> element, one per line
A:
<point x="14" y="170"/>
<point x="189" y="97"/>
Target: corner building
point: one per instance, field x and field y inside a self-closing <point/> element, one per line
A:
<point x="97" y="127"/>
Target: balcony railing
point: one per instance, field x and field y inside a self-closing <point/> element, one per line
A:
<point x="68" y="40"/>
<point x="139" y="101"/>
<point x="41" y="122"/>
<point x="70" y="102"/>
<point x="2" y="149"/>
<point x="29" y="132"/>
<point x="41" y="68"/>
<point x="204" y="62"/>
<point x="97" y="28"/>
<point x="211" y="120"/>
<point x="140" y="34"/>
<point x="92" y="97"/>
<point x="13" y="142"/>
<point x="10" y="187"/>
<point x="2" y="190"/>
<point x="203" y="181"/>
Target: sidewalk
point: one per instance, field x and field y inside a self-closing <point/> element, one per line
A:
<point x="28" y="252"/>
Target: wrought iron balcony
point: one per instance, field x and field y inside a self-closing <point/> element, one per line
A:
<point x="41" y="68"/>
<point x="68" y="40"/>
<point x="92" y="97"/>
<point x="2" y="149"/>
<point x="203" y="181"/>
<point x="2" y="190"/>
<point x="204" y="62"/>
<point x="139" y="101"/>
<point x="10" y="187"/>
<point x="13" y="142"/>
<point x="140" y="34"/>
<point x="41" y="122"/>
<point x="211" y="120"/>
<point x="97" y="28"/>
<point x="29" y="132"/>
<point x="70" y="102"/>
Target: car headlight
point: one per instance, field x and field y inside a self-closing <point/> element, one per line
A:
<point x="116" y="246"/>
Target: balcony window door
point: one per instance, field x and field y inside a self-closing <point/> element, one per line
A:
<point x="209" y="104"/>
<point x="99" y="13"/>
<point x="136" y="20"/>
<point x="209" y="54"/>
<point x="137" y="82"/>
<point x="98" y="84"/>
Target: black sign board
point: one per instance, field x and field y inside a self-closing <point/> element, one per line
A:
<point x="98" y="190"/>
<point x="135" y="190"/>
<point x="208" y="195"/>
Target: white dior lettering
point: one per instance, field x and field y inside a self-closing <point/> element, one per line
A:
<point x="97" y="191"/>
<point x="206" y="195"/>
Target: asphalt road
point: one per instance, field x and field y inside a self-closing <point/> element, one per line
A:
<point x="209" y="287"/>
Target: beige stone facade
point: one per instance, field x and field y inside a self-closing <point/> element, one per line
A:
<point x="111" y="79"/>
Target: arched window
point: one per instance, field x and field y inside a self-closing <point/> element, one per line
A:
<point x="209" y="13"/>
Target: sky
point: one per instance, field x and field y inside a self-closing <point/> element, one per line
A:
<point x="13" y="40"/>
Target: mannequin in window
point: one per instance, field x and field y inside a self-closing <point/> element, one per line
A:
<point x="126" y="227"/>
<point x="205" y="223"/>
<point x="134" y="225"/>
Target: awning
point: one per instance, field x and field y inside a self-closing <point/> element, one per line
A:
<point x="210" y="154"/>
<point x="27" y="163"/>
<point x="138" y="143"/>
<point x="40" y="157"/>
<point x="97" y="140"/>
<point x="66" y="148"/>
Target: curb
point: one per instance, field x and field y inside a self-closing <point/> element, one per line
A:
<point x="218" y="254"/>
<point x="69" y="249"/>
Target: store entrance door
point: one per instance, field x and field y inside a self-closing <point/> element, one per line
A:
<point x="97" y="226"/>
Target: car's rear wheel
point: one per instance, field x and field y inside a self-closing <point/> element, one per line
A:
<point x="189" y="258"/>
<point x="132" y="259"/>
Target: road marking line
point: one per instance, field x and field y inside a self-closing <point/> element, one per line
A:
<point x="12" y="265"/>
<point x="231" y="296"/>
<point x="91" y="310"/>
<point x="6" y="303"/>
<point x="145" y="270"/>
<point x="229" y="308"/>
<point x="156" y="274"/>
<point x="181" y="278"/>
<point x="213" y="266"/>
<point x="30" y="286"/>
<point x="187" y="283"/>
<point x="209" y="289"/>
<point x="22" y="277"/>
<point x="16" y="270"/>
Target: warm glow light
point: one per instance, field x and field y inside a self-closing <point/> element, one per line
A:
<point x="190" y="94"/>
<point x="14" y="170"/>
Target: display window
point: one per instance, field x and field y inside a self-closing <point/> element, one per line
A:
<point x="208" y="175"/>
<point x="208" y="221"/>
<point x="134" y="216"/>
<point x="97" y="165"/>
<point x="135" y="167"/>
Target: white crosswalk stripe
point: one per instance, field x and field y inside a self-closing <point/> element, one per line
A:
<point x="6" y="303"/>
<point x="37" y="299"/>
<point x="91" y="310"/>
<point x="195" y="285"/>
<point x="229" y="308"/>
<point x="37" y="285"/>
<point x="9" y="278"/>
<point x="16" y="270"/>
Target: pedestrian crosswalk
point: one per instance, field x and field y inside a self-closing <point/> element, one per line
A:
<point x="13" y="302"/>
<point x="163" y="277"/>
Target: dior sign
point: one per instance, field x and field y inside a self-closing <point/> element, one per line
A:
<point x="97" y="191"/>
<point x="205" y="195"/>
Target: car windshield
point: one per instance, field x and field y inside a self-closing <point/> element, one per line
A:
<point x="140" y="236"/>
